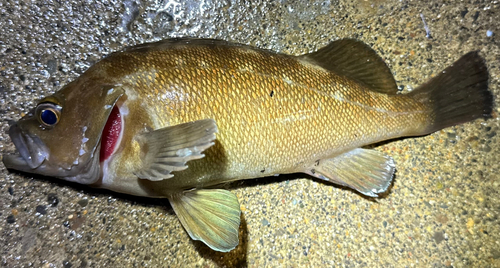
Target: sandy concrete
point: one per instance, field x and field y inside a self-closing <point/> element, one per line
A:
<point x="442" y="211"/>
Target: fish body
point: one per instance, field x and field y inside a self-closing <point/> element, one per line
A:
<point x="178" y="117"/>
<point x="275" y="113"/>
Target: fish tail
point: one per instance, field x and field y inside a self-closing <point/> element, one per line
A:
<point x="457" y="95"/>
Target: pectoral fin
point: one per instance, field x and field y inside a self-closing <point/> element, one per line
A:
<point x="169" y="149"/>
<point x="368" y="171"/>
<point x="209" y="215"/>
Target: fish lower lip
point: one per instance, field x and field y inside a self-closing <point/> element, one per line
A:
<point x="88" y="173"/>
<point x="32" y="152"/>
<point x="16" y="137"/>
<point x="15" y="161"/>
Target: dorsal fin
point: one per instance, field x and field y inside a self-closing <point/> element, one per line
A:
<point x="172" y="42"/>
<point x="356" y="60"/>
<point x="183" y="42"/>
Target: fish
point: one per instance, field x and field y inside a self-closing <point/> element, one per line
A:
<point x="180" y="118"/>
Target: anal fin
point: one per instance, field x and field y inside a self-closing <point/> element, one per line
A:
<point x="209" y="215"/>
<point x="367" y="171"/>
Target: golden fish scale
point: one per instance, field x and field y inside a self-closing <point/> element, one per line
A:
<point x="275" y="113"/>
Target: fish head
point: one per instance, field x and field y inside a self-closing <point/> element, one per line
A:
<point x="61" y="136"/>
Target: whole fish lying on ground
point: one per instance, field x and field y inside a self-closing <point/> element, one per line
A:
<point x="178" y="117"/>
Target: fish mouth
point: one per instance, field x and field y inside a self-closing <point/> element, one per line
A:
<point x="32" y="151"/>
<point x="32" y="157"/>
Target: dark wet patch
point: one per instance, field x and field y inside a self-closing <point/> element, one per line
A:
<point x="438" y="237"/>
<point x="52" y="199"/>
<point x="11" y="219"/>
<point x="41" y="209"/>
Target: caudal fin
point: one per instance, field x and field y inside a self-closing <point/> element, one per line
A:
<point x="458" y="94"/>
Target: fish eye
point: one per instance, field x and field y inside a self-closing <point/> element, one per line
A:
<point x="48" y="114"/>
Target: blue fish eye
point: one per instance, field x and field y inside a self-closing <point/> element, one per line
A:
<point x="49" y="117"/>
<point x="48" y="114"/>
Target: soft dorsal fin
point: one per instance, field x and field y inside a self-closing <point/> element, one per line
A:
<point x="356" y="60"/>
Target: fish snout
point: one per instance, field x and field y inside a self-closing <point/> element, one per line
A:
<point x="31" y="149"/>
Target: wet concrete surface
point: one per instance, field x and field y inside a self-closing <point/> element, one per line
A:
<point x="442" y="210"/>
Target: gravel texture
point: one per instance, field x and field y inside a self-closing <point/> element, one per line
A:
<point x="442" y="211"/>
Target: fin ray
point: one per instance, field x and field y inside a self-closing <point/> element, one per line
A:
<point x="356" y="60"/>
<point x="458" y="94"/>
<point x="367" y="171"/>
<point x="169" y="149"/>
<point x="211" y="216"/>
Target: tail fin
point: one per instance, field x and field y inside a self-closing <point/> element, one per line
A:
<point x="458" y="94"/>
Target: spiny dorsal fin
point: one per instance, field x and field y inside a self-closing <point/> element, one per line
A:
<point x="173" y="42"/>
<point x="356" y="60"/>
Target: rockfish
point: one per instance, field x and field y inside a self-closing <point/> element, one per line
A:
<point x="179" y="117"/>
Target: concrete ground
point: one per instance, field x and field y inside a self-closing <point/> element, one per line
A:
<point x="442" y="211"/>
